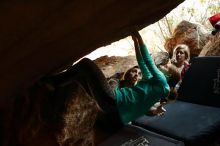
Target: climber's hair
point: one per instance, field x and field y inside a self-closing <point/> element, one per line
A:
<point x="127" y="73"/>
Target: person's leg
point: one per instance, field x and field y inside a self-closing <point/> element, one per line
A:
<point x="88" y="74"/>
<point x="92" y="79"/>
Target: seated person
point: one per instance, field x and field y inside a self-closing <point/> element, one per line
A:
<point x="181" y="57"/>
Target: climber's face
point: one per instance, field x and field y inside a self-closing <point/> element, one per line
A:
<point x="135" y="75"/>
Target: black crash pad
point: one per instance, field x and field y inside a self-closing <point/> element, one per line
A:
<point x="187" y="122"/>
<point x="131" y="135"/>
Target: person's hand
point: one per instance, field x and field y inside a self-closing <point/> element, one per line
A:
<point x="135" y="40"/>
<point x="136" y="34"/>
<point x="164" y="69"/>
<point x="157" y="109"/>
<point x="133" y="37"/>
<point x="173" y="60"/>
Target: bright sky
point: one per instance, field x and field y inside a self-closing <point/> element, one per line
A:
<point x="124" y="47"/>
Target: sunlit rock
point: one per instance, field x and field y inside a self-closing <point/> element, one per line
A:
<point x="193" y="35"/>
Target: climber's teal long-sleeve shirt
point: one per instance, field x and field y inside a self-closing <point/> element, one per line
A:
<point x="135" y="101"/>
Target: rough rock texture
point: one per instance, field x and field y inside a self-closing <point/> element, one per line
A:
<point x="40" y="37"/>
<point x="190" y="34"/>
<point x="115" y="64"/>
<point x="50" y="116"/>
<point x="212" y="48"/>
<point x="79" y="117"/>
<point x="161" y="58"/>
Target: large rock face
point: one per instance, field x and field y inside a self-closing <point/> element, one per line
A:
<point x="212" y="48"/>
<point x="40" y="37"/>
<point x="44" y="36"/>
<point x="48" y="116"/>
<point x="190" y="34"/>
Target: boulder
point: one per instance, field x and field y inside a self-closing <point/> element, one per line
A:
<point x="113" y="65"/>
<point x="191" y="34"/>
<point x="212" y="48"/>
<point x="50" y="116"/>
<point x="43" y="37"/>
